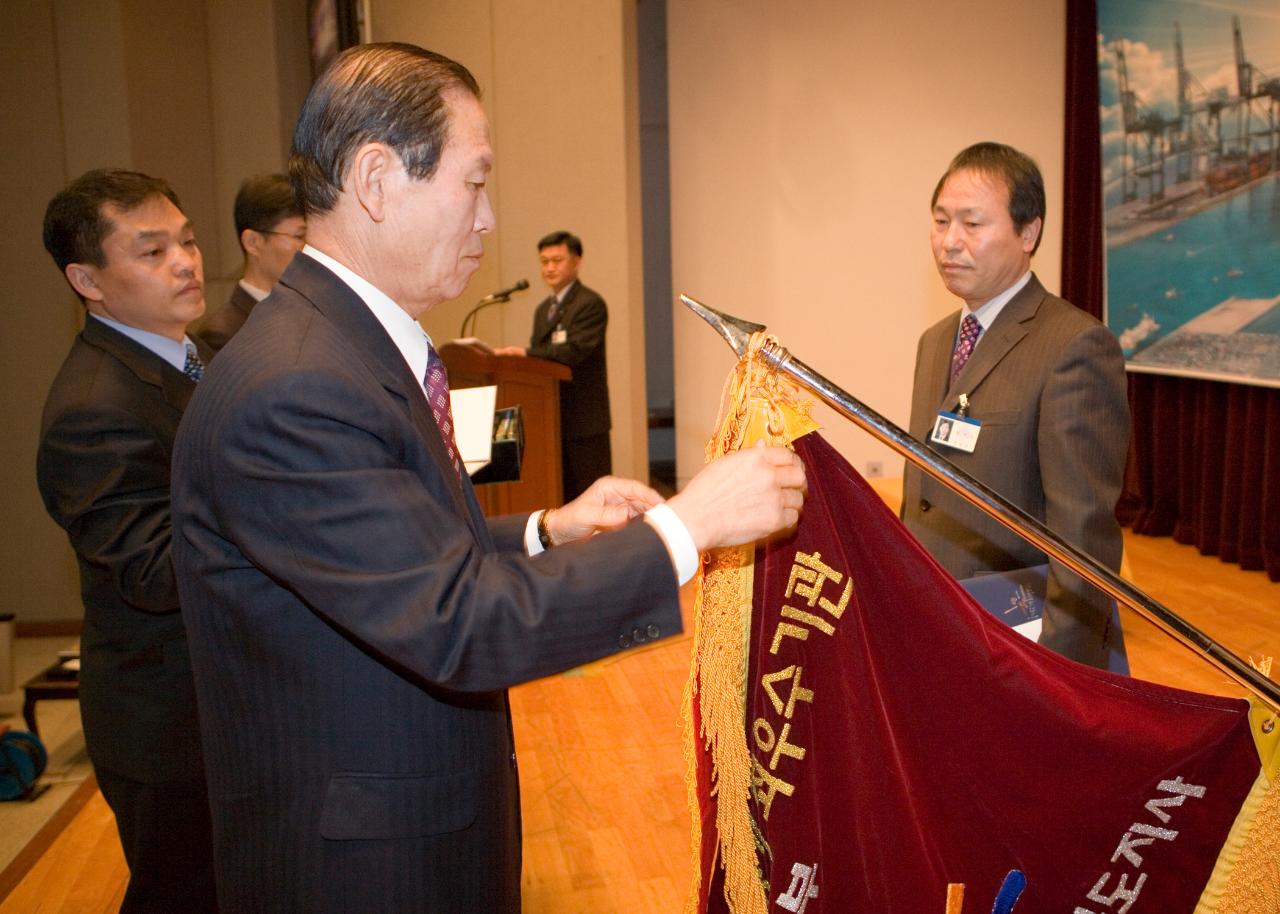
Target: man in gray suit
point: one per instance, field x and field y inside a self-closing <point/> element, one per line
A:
<point x="1045" y="380"/>
<point x="354" y="619"/>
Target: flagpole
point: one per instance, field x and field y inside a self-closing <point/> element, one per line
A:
<point x="737" y="333"/>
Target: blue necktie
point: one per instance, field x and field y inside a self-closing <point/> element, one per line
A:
<point x="194" y="368"/>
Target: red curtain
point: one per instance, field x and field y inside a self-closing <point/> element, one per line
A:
<point x="1204" y="464"/>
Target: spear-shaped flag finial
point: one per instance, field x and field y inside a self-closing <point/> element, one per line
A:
<point x="736" y="332"/>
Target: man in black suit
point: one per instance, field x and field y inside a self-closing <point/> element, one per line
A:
<point x="569" y="327"/>
<point x="122" y="242"/>
<point x="354" y="620"/>
<point x="271" y="229"/>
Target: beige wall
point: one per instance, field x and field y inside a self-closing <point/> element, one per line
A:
<point x="198" y="93"/>
<point x="803" y="150"/>
<point x="37" y="570"/>
<point x="258" y="74"/>
<point x="805" y="143"/>
<point x="558" y="78"/>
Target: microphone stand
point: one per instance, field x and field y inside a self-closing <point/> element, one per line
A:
<point x="480" y="306"/>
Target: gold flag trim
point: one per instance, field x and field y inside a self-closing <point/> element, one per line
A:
<point x="756" y="405"/>
<point x="1246" y="878"/>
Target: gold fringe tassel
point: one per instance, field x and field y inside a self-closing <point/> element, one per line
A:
<point x="1246" y="879"/>
<point x="755" y="405"/>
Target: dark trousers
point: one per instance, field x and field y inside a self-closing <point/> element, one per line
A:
<point x="167" y="836"/>
<point x="584" y="461"/>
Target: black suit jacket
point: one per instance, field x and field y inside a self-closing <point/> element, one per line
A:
<point x="355" y="621"/>
<point x="103" y="468"/>
<point x="584" y="400"/>
<point x="222" y="325"/>
<point x="1047" y="380"/>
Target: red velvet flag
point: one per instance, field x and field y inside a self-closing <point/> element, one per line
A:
<point x="867" y="735"/>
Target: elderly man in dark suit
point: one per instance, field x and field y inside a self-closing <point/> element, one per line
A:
<point x="354" y="619"/>
<point x="123" y="243"/>
<point x="1045" y="380"/>
<point x="270" y="229"/>
<point x="569" y="327"/>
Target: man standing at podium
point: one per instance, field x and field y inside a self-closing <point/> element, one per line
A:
<point x="569" y="328"/>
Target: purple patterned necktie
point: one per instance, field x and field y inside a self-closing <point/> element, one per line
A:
<point x="969" y="331"/>
<point x="438" y="398"/>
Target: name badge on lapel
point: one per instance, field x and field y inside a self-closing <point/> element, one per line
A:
<point x="559" y="336"/>
<point x="956" y="431"/>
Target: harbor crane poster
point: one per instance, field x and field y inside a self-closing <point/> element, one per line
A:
<point x="1189" y="112"/>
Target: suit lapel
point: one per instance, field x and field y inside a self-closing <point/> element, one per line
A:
<point x="543" y="323"/>
<point x="145" y="364"/>
<point x="936" y="356"/>
<point x="242" y="300"/>
<point x="339" y="303"/>
<point x="541" y="326"/>
<point x="570" y="300"/>
<point x="1005" y="332"/>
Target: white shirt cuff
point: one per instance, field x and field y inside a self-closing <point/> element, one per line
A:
<point x="684" y="554"/>
<point x="532" y="545"/>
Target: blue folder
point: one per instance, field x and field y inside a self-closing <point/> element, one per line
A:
<point x="1016" y="598"/>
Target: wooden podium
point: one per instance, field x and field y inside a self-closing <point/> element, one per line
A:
<point x="534" y="386"/>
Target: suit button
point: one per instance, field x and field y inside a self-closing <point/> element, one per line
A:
<point x="624" y="641"/>
<point x="653" y="631"/>
<point x="637" y="635"/>
<point x="924" y="505"/>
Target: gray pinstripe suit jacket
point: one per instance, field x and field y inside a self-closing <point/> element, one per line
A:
<point x="1047" y="380"/>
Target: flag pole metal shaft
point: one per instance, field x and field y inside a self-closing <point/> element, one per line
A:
<point x="737" y="333"/>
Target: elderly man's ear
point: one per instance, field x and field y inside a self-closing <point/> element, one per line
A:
<point x="374" y="170"/>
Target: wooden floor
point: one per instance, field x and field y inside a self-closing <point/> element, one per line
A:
<point x="602" y="772"/>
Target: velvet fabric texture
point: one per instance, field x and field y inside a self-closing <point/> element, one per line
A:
<point x="1204" y="464"/>
<point x="902" y="739"/>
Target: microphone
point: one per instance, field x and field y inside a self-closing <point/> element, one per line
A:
<point x="493" y="299"/>
<point x="504" y="294"/>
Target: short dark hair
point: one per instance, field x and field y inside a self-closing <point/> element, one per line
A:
<point x="1017" y="170"/>
<point x="74" y="222"/>
<point x="389" y="93"/>
<point x="568" y="239"/>
<point x="263" y="201"/>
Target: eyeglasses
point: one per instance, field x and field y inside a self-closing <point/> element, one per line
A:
<point x="301" y="239"/>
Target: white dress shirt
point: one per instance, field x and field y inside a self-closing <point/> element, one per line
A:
<point x="172" y="351"/>
<point x="413" y="342"/>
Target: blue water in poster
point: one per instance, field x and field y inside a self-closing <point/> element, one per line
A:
<point x="1232" y="249"/>
<point x="1189" y="94"/>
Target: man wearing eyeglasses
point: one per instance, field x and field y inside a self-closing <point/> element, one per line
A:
<point x="271" y="229"/>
